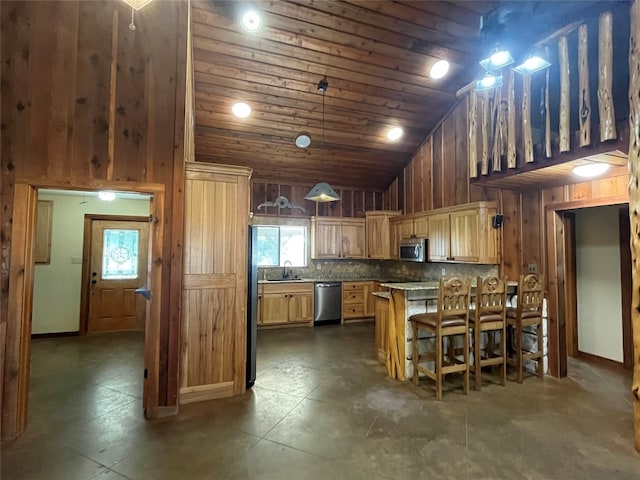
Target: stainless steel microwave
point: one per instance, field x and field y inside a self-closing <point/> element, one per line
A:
<point x="413" y="250"/>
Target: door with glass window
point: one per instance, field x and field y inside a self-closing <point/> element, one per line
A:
<point x="118" y="266"/>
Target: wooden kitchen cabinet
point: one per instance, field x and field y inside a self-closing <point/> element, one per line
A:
<point x="464" y="234"/>
<point x="285" y="303"/>
<point x="357" y="303"/>
<point x="414" y="226"/>
<point x="337" y="237"/>
<point x="378" y="233"/>
<point x="395" y="224"/>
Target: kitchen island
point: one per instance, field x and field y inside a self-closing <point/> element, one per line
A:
<point x="405" y="299"/>
<point x="408" y="299"/>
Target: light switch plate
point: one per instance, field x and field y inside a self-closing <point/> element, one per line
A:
<point x="76" y="260"/>
<point x="532" y="268"/>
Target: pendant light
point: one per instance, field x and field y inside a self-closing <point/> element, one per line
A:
<point x="322" y="192"/>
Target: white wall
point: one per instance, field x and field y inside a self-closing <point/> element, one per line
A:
<point x="56" y="292"/>
<point x="598" y="282"/>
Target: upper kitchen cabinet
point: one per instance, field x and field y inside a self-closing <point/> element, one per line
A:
<point x="464" y="234"/>
<point x="414" y="226"/>
<point x="379" y="234"/>
<point x="337" y="237"/>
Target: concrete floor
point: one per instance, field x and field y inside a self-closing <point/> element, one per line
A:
<point x="322" y="408"/>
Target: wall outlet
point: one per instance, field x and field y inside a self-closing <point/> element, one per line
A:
<point x="443" y="272"/>
<point x="318" y="266"/>
<point x="532" y="268"/>
<point x="76" y="260"/>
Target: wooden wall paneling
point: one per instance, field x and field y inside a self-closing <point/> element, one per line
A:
<point x="133" y="81"/>
<point x="485" y="132"/>
<point x="258" y="196"/>
<point x="610" y="187"/>
<point x="358" y="203"/>
<point x="418" y="190"/>
<point x="401" y="203"/>
<point x="527" y="135"/>
<point x="369" y="202"/>
<point x="531" y="235"/>
<point x="285" y="191"/>
<point x="634" y="204"/>
<point x="473" y="134"/>
<point x="438" y="170"/>
<point x="551" y="220"/>
<point x="298" y="193"/>
<point x="272" y="192"/>
<point x="347" y="203"/>
<point x="511" y="234"/>
<point x="605" y="77"/>
<point x="461" y="148"/>
<point x="89" y="144"/>
<point x="565" y="88"/>
<point x="584" y="95"/>
<point x="378" y="203"/>
<point x="557" y="331"/>
<point x="408" y="188"/>
<point x="427" y="174"/>
<point x="449" y="160"/>
<point x="511" y="120"/>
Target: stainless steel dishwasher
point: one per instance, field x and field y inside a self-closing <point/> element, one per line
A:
<point x="328" y="303"/>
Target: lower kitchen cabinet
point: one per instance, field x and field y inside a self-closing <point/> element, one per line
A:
<point x="358" y="301"/>
<point x="285" y="304"/>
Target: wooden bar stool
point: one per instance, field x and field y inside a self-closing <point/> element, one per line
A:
<point x="451" y="318"/>
<point x="527" y="313"/>
<point x="489" y="316"/>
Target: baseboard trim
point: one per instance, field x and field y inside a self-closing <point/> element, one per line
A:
<point x="600" y="360"/>
<point x="54" y="335"/>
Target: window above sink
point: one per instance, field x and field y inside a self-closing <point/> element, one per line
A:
<point x="278" y="244"/>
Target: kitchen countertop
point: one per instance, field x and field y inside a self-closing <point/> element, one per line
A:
<point x="386" y="295"/>
<point x="433" y="285"/>
<point x="320" y="280"/>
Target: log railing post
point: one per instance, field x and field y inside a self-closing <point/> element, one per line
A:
<point x="527" y="135"/>
<point x="634" y="204"/>
<point x="605" y="78"/>
<point x="584" y="106"/>
<point x="511" y="121"/>
<point x="565" y="108"/>
<point x="473" y="134"/>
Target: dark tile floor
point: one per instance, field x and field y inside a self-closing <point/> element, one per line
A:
<point x="322" y="408"/>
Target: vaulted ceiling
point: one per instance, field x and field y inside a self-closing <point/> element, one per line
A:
<point x="375" y="55"/>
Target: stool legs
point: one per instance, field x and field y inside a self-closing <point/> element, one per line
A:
<point x="477" y="355"/>
<point x="438" y="371"/>
<point x="466" y="362"/>
<point x="415" y="358"/>
<point x="503" y="351"/>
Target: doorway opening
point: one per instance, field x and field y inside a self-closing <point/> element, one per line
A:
<point x="23" y="305"/>
<point x="590" y="284"/>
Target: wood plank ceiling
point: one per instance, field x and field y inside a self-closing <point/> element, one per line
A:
<point x="376" y="57"/>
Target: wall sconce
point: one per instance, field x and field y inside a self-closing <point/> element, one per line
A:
<point x="489" y="81"/>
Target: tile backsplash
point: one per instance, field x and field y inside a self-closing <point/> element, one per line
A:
<point x="376" y="269"/>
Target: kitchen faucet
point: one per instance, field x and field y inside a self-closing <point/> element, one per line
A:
<point x="284" y="269"/>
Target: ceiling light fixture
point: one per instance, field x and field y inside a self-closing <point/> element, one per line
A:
<point x="251" y="21"/>
<point x="394" y="133"/>
<point x="107" y="196"/>
<point x="498" y="58"/>
<point x="303" y="140"/>
<point x="488" y="82"/>
<point x="439" y="69"/>
<point x="241" y="110"/>
<point x="589" y="170"/>
<point x="322" y="192"/>
<point x="531" y="64"/>
<point x="135" y="5"/>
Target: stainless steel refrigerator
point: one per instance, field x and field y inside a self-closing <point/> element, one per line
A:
<point x="252" y="307"/>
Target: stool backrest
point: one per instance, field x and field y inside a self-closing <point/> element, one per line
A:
<point x="454" y="296"/>
<point x="530" y="293"/>
<point x="491" y="295"/>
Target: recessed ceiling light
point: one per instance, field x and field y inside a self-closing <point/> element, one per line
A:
<point x="394" y="133"/>
<point x="591" y="169"/>
<point x="251" y="21"/>
<point x="241" y="110"/>
<point x="107" y="196"/>
<point x="303" y="140"/>
<point x="439" y="69"/>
